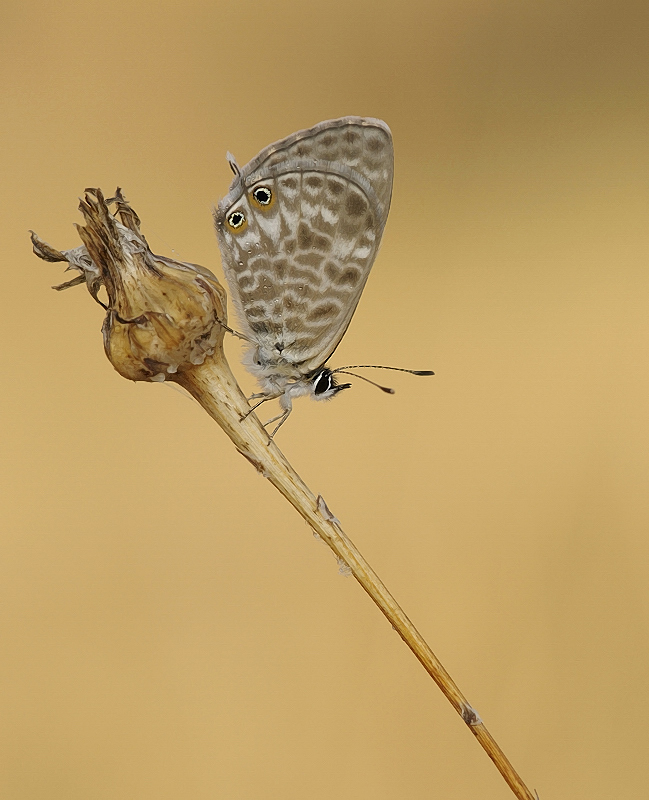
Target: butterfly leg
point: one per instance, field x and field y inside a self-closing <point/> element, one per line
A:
<point x="233" y="332"/>
<point x="264" y="397"/>
<point x="282" y="419"/>
<point x="287" y="406"/>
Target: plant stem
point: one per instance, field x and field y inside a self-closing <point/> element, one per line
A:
<point x="216" y="389"/>
<point x="165" y="316"/>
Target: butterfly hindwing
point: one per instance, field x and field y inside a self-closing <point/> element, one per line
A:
<point x="299" y="232"/>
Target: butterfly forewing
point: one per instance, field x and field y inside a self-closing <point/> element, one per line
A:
<point x="299" y="232"/>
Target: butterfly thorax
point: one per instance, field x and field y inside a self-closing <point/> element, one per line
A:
<point x="272" y="370"/>
<point x="281" y="379"/>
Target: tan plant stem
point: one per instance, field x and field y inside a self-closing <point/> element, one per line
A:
<point x="216" y="389"/>
<point x="165" y="321"/>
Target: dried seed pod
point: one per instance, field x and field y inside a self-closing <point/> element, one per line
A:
<point x="163" y="316"/>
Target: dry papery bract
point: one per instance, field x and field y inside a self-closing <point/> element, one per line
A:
<point x="165" y="320"/>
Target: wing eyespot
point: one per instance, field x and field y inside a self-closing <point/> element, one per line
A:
<point x="236" y="220"/>
<point x="263" y="196"/>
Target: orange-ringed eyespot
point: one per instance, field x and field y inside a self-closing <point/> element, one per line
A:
<point x="263" y="195"/>
<point x="236" y="219"/>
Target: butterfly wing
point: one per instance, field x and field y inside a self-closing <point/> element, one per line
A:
<point x="298" y="260"/>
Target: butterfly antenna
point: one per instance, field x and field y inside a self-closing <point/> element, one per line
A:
<point x="385" y="389"/>
<point x="377" y="366"/>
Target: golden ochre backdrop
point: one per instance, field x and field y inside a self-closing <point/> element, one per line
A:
<point x="169" y="626"/>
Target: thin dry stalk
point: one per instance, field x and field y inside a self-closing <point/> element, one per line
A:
<point x="165" y="322"/>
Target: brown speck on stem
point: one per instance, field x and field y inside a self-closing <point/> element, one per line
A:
<point x="165" y="321"/>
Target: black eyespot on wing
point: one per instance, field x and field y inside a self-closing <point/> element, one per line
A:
<point x="236" y="219"/>
<point x="263" y="195"/>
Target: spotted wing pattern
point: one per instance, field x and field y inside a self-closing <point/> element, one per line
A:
<point x="299" y="231"/>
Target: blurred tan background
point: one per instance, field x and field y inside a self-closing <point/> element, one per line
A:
<point x="169" y="627"/>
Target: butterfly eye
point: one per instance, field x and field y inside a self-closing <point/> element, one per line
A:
<point x="236" y="219"/>
<point x="323" y="382"/>
<point x="263" y="195"/>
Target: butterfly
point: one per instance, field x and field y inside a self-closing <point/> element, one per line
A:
<point x="298" y="232"/>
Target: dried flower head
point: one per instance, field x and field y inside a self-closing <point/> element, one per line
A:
<point x="163" y="316"/>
